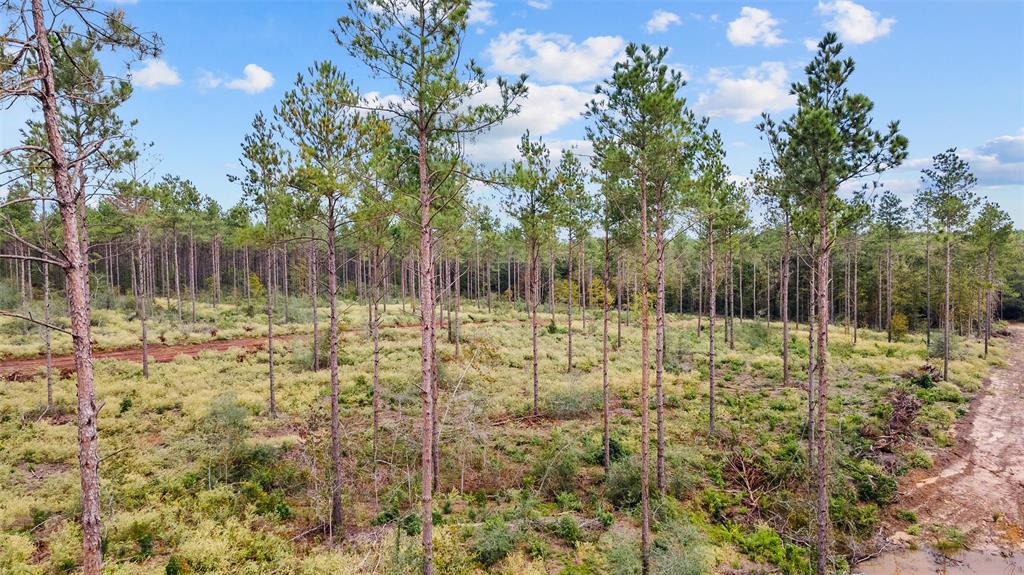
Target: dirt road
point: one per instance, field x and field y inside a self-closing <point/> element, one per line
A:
<point x="31" y="366"/>
<point x="979" y="487"/>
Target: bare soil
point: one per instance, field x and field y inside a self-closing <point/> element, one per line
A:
<point x="27" y="368"/>
<point x="977" y="488"/>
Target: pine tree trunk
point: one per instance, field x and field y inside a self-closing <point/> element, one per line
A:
<point x="140" y="303"/>
<point x="821" y="513"/>
<point x="604" y="354"/>
<point x="332" y="295"/>
<point x="645" y="469"/>
<point x="888" y="291"/>
<point x="569" y="291"/>
<point x="284" y="281"/>
<point x="712" y="289"/>
<point x="946" y="313"/>
<point x="533" y="296"/>
<point x="47" y="336"/>
<point x="314" y="281"/>
<point x="659" y="346"/>
<point x="784" y="297"/>
<point x="77" y="288"/>
<point x="928" y="289"/>
<point x="988" y="298"/>
<point x="177" y="274"/>
<point x="375" y="336"/>
<point x="192" y="269"/>
<point x="427" y="339"/>
<point x="270" y="329"/>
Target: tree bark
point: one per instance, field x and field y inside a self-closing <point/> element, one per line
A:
<point x="332" y="295"/>
<point x="784" y="299"/>
<point x="945" y="313"/>
<point x="569" y="291"/>
<point x="645" y="470"/>
<point x="77" y="288"/>
<point x="427" y="338"/>
<point x="659" y="344"/>
<point x="533" y="296"/>
<point x="822" y="518"/>
<point x="270" y="329"/>
<point x="192" y="269"/>
<point x="712" y="289"/>
<point x="604" y="354"/>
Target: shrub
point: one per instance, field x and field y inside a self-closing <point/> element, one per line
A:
<point x="622" y="484"/>
<point x="615" y="451"/>
<point x="494" y="541"/>
<point x="765" y="545"/>
<point x="557" y="467"/>
<point x="920" y="459"/>
<point x="900" y="326"/>
<point x="567" y="501"/>
<point x="570" y="402"/>
<point x="955" y="347"/>
<point x="567" y="529"/>
<point x="873" y="484"/>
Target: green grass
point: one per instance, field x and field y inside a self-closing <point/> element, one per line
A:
<point x="197" y="475"/>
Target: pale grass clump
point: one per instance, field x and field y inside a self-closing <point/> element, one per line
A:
<point x="15" y="551"/>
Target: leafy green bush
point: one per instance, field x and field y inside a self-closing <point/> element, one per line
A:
<point x="920" y="459"/>
<point x="557" y="466"/>
<point x="765" y="545"/>
<point x="568" y="530"/>
<point x="493" y="542"/>
<point x="900" y="326"/>
<point x="622" y="484"/>
<point x="873" y="483"/>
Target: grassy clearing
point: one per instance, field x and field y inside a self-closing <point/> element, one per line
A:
<point x="198" y="479"/>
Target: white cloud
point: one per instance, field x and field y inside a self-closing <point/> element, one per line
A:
<point x="811" y="44"/>
<point x="546" y="111"/>
<point x="155" y="73"/>
<point x="713" y="18"/>
<point x="761" y="89"/>
<point x="253" y="81"/>
<point x="999" y="161"/>
<point x="853" y="22"/>
<point x="661" y="20"/>
<point x="1009" y="149"/>
<point x="754" y="27"/>
<point x="554" y="57"/>
<point x="539" y="4"/>
<point x="480" y="12"/>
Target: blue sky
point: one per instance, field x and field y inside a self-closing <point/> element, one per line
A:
<point x="951" y="72"/>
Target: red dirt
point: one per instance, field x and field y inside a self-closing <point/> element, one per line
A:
<point x="26" y="368"/>
<point x="22" y="369"/>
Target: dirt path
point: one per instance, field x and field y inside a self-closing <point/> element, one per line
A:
<point x="979" y="486"/>
<point x="29" y="367"/>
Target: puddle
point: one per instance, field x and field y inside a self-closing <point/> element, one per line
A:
<point x="921" y="562"/>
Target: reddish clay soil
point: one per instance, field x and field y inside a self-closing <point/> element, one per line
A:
<point x="979" y="487"/>
<point x="27" y="368"/>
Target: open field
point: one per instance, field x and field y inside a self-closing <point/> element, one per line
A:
<point x="197" y="477"/>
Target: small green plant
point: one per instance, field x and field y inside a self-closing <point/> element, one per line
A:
<point x="568" y="530"/>
<point x="906" y="515"/>
<point x="494" y="541"/>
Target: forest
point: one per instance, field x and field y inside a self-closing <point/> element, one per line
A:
<point x="386" y="358"/>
